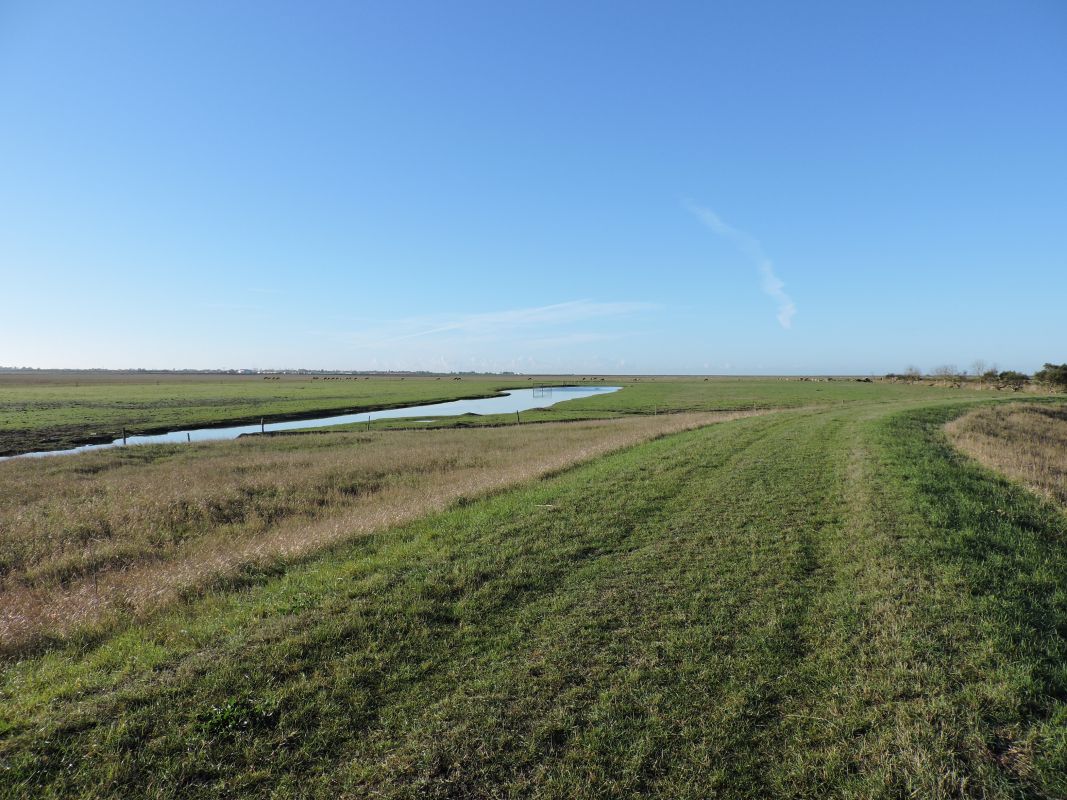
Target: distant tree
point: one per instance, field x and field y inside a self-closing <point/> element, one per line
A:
<point x="979" y="367"/>
<point x="912" y="373"/>
<point x="1010" y="377"/>
<point x="946" y="371"/>
<point x="1053" y="375"/>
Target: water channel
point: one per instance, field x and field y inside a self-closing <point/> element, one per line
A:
<point x="508" y="402"/>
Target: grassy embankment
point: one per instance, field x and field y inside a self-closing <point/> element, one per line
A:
<point x="87" y="538"/>
<point x="818" y="602"/>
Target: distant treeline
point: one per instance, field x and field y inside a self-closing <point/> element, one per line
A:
<point x="1052" y="375"/>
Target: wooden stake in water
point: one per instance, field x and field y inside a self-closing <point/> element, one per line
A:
<point x="188" y="437"/>
<point x="123" y="437"/>
<point x="262" y="427"/>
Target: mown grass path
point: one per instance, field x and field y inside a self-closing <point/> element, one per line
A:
<point x="815" y="603"/>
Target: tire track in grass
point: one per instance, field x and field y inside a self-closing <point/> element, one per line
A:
<point x="871" y="719"/>
<point x="911" y="682"/>
<point x="604" y="665"/>
<point x="554" y="648"/>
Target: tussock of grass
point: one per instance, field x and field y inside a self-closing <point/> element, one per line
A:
<point x="1026" y="442"/>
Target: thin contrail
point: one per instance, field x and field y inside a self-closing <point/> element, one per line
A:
<point x="752" y="249"/>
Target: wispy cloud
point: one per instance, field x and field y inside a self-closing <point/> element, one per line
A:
<point x="749" y="245"/>
<point x="572" y="339"/>
<point x="491" y="324"/>
<point x="516" y="318"/>
<point x="230" y="307"/>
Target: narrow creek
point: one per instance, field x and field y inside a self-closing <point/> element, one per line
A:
<point x="508" y="402"/>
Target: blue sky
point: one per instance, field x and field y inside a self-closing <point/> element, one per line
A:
<point x="572" y="187"/>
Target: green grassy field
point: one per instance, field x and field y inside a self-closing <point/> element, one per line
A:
<point x="55" y="410"/>
<point x="677" y="394"/>
<point x="50" y="411"/>
<point x="825" y="601"/>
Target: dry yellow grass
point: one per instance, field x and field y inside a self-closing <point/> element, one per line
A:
<point x="1026" y="442"/>
<point x="85" y="538"/>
